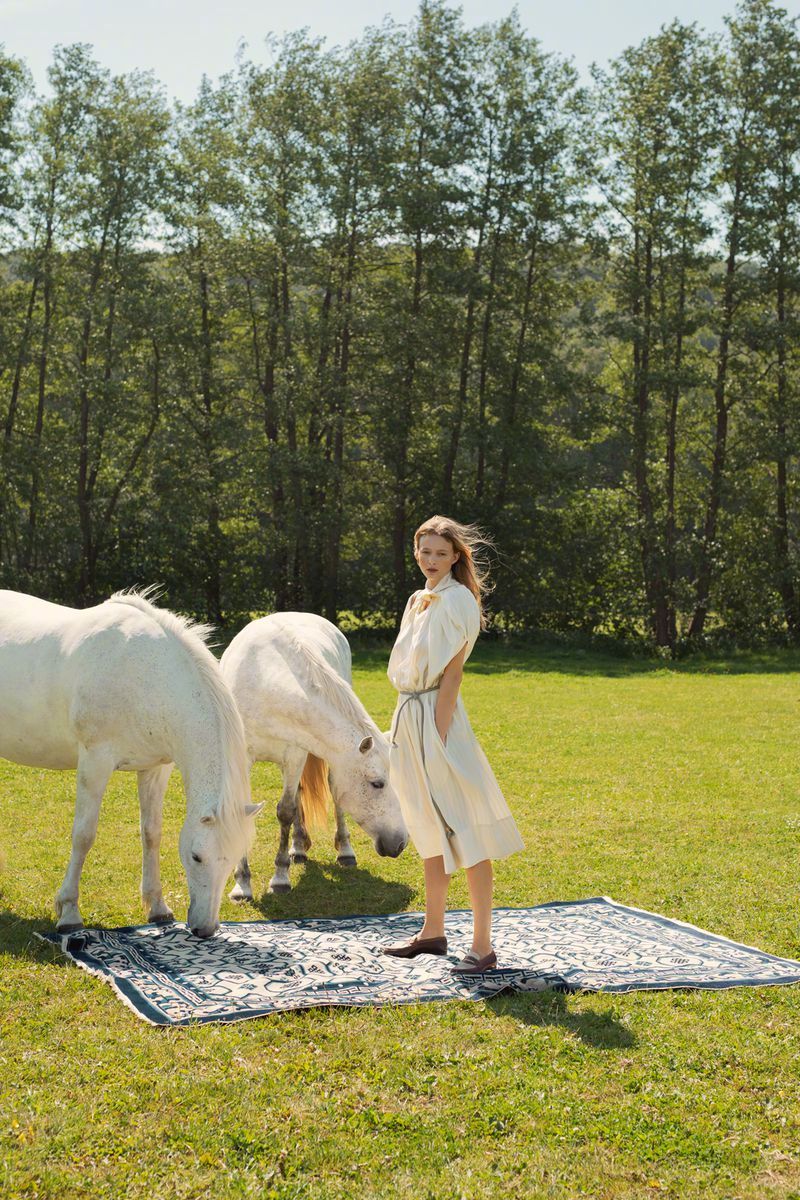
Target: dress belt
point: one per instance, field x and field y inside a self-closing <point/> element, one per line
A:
<point x="409" y="696"/>
<point x="449" y="832"/>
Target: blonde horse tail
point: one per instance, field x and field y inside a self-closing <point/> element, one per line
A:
<point x="315" y="793"/>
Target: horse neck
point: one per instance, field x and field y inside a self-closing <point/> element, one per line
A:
<point x="202" y="755"/>
<point x="332" y="731"/>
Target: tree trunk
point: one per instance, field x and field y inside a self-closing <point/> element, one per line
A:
<point x="488" y="313"/>
<point x="30" y="556"/>
<point x="722" y="408"/>
<point x="466" y="348"/>
<point x="213" y="552"/>
<point x="22" y="354"/>
<point x="642" y="310"/>
<point x="265" y="380"/>
<point x="298" y="557"/>
<point x="669" y="631"/>
<point x="786" y="581"/>
<point x="85" y="487"/>
<point x="335" y="521"/>
<point x="404" y="417"/>
<point x="671" y="456"/>
<point x="6" y="485"/>
<point x="516" y="376"/>
<point x="319" y="431"/>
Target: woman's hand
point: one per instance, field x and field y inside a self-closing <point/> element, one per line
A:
<point x="448" y="693"/>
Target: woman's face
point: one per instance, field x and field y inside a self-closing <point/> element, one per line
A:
<point x="435" y="556"/>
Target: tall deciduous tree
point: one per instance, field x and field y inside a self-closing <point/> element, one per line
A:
<point x="742" y="177"/>
<point x="776" y="240"/>
<point x="658" y="121"/>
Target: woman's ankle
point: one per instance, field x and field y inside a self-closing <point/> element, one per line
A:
<point x="430" y="931"/>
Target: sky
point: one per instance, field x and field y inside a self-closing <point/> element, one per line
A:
<point x="180" y="40"/>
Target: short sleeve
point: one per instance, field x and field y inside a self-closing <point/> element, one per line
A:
<point x="407" y="608"/>
<point x="400" y="648"/>
<point x="457" y="624"/>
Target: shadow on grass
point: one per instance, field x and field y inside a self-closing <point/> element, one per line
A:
<point x="599" y="1029"/>
<point x="17" y="938"/>
<point x="328" y="890"/>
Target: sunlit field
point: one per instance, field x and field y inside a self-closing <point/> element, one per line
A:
<point x="672" y="789"/>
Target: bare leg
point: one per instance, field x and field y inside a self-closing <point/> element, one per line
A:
<point x="152" y="786"/>
<point x="345" y="854"/>
<point x="94" y="769"/>
<point x="480" y="880"/>
<point x="436" y="885"/>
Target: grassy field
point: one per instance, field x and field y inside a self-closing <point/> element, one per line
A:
<point x="673" y="789"/>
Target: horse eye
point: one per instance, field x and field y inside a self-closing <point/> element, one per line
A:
<point x="377" y="783"/>
<point x="196" y="858"/>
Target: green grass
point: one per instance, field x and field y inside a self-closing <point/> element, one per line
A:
<point x="674" y="789"/>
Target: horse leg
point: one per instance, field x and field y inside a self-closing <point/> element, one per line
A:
<point x="94" y="771"/>
<point x="301" y="842"/>
<point x="287" y="810"/>
<point x="243" y="888"/>
<point x="344" y="851"/>
<point x="152" y="786"/>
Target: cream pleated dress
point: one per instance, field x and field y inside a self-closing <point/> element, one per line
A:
<point x="449" y="797"/>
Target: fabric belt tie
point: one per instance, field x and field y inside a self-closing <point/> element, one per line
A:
<point x="409" y="696"/>
<point x="449" y="832"/>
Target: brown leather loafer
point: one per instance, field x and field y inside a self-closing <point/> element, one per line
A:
<point x="437" y="945"/>
<point x="472" y="965"/>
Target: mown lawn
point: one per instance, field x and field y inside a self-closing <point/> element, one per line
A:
<point x="674" y="789"/>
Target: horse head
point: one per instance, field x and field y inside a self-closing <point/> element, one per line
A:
<point x="210" y="847"/>
<point x="360" y="783"/>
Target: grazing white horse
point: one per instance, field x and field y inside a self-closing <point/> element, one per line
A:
<point x="126" y="686"/>
<point x="291" y="676"/>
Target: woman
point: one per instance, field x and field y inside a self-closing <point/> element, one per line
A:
<point x="453" y="807"/>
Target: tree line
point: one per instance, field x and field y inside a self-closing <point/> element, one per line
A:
<point x="249" y="343"/>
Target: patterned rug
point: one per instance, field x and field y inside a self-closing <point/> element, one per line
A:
<point x="252" y="968"/>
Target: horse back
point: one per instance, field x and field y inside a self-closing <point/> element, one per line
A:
<point x="72" y="677"/>
<point x="274" y="632"/>
<point x="262" y="669"/>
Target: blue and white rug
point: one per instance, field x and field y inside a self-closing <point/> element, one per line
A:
<point x="251" y="968"/>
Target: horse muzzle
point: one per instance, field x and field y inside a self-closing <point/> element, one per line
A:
<point x="201" y="929"/>
<point x="204" y="931"/>
<point x="391" y="846"/>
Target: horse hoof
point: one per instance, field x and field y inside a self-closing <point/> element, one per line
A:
<point x="163" y="919"/>
<point x="74" y="928"/>
<point x="297" y="859"/>
<point x="280" y="887"/>
<point x="238" y="896"/>
<point x="346" y="860"/>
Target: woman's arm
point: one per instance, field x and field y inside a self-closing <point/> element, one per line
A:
<point x="448" y="692"/>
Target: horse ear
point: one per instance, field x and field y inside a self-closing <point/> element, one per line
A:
<point x="366" y="744"/>
<point x="252" y="810"/>
<point x="209" y="819"/>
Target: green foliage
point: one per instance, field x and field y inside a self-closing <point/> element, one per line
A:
<point x="249" y="344"/>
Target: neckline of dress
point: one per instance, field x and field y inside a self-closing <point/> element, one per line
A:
<point x="443" y="582"/>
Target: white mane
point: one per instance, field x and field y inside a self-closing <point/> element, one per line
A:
<point x="193" y="637"/>
<point x="321" y="675"/>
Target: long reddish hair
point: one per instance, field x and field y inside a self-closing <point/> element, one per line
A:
<point x="464" y="539"/>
